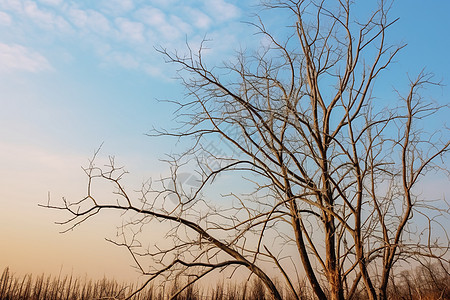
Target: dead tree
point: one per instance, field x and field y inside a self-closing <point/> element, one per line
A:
<point x="322" y="171"/>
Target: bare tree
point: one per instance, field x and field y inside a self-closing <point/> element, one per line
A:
<point x="332" y="172"/>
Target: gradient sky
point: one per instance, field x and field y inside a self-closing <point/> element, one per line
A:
<point x="76" y="74"/>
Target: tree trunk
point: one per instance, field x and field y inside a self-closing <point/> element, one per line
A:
<point x="333" y="274"/>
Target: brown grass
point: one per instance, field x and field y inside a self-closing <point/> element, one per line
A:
<point x="69" y="288"/>
<point x="425" y="282"/>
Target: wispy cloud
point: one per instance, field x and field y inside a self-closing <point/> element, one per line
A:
<point x="198" y="18"/>
<point x="222" y="10"/>
<point x="125" y="60"/>
<point x="151" y="16"/>
<point x="130" y="30"/>
<point x="45" y="18"/>
<point x="117" y="7"/>
<point x="16" y="57"/>
<point x="89" y="20"/>
<point x="13" y="5"/>
<point x="51" y="2"/>
<point x="109" y="27"/>
<point x="5" y="19"/>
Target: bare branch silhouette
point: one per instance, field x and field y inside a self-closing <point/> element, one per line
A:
<point x="330" y="171"/>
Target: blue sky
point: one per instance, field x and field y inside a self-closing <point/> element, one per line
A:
<point x="75" y="74"/>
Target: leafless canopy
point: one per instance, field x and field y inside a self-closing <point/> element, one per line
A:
<point x="320" y="174"/>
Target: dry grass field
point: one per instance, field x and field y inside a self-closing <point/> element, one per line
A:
<point x="425" y="282"/>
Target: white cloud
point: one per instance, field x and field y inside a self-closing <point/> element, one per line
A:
<point x="169" y="27"/>
<point x="101" y="47"/>
<point x="98" y="22"/>
<point x="165" y="3"/>
<point x="44" y="18"/>
<point x="198" y="18"/>
<point x="181" y="25"/>
<point x="32" y="11"/>
<point x="17" y="57"/>
<point x="118" y="7"/>
<point x="89" y="20"/>
<point x="110" y="26"/>
<point x="130" y="30"/>
<point x="151" y="16"/>
<point x="14" y="5"/>
<point x="5" y="19"/>
<point x="154" y="71"/>
<point x="125" y="60"/>
<point x="78" y="17"/>
<point x="51" y="2"/>
<point x="222" y="10"/>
